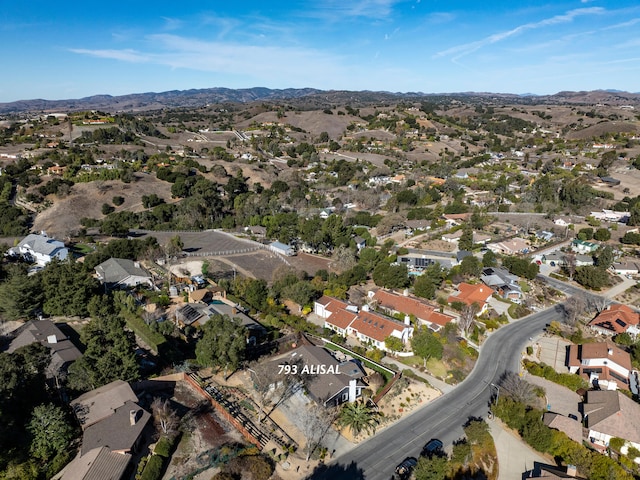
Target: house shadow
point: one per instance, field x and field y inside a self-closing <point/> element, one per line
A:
<point x="191" y="249"/>
<point x="337" y="471"/>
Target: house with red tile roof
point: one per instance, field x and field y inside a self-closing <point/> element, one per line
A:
<point x="371" y="327"/>
<point x="603" y="364"/>
<point x="425" y="313"/>
<point x="616" y="319"/>
<point x="365" y="325"/>
<point x="470" y="294"/>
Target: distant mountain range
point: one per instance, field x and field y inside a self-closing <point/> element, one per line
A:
<point x="305" y="97"/>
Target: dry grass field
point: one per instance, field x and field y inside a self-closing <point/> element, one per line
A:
<point x="85" y="200"/>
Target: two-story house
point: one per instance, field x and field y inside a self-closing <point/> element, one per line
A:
<point x="39" y="249"/>
<point x="603" y="364"/>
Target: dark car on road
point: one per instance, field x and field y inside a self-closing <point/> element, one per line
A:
<point x="403" y="471"/>
<point x="433" y="447"/>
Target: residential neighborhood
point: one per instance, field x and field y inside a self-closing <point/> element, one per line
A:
<point x="303" y="291"/>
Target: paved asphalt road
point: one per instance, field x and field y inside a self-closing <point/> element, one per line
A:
<point x="377" y="458"/>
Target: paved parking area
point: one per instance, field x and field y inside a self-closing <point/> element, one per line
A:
<point x="552" y="351"/>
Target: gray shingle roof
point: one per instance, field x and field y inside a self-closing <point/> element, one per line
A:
<point x="115" y="270"/>
<point x="45" y="332"/>
<point x="116" y="431"/>
<point x="97" y="404"/>
<point x="41" y="244"/>
<point x="97" y="464"/>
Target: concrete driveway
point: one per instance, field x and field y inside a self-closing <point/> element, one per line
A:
<point x="560" y="399"/>
<point x="552" y="351"/>
<point x="514" y="456"/>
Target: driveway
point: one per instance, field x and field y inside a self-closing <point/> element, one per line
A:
<point x="560" y="399"/>
<point x="552" y="351"/>
<point x="514" y="456"/>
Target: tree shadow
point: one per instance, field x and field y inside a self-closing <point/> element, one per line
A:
<point x="337" y="472"/>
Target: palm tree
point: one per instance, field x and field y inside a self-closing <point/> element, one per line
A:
<point x="359" y="417"/>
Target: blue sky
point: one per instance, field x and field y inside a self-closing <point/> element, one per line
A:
<point x="57" y="50"/>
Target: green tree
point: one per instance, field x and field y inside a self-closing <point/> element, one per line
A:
<point x="602" y="234"/>
<point x="109" y="353"/>
<point x="470" y="266"/>
<point x="591" y="277"/>
<point x="466" y="240"/>
<point x="67" y="288"/>
<point x="432" y="468"/>
<point x="393" y="343"/>
<point x="223" y="343"/>
<point x="358" y="417"/>
<point x="604" y="257"/>
<point x="50" y="431"/>
<point x="489" y="259"/>
<point x="425" y="285"/>
<point x="20" y="295"/>
<point x="391" y="276"/>
<point x="585" y="233"/>
<point x="426" y="345"/>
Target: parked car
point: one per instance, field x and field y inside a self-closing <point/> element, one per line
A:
<point x="432" y="447"/>
<point x="403" y="471"/>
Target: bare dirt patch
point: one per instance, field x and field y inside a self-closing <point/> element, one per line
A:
<point x="439" y="246"/>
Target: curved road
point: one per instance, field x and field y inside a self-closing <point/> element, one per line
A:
<point x="443" y="418"/>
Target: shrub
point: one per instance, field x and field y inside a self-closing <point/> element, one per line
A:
<point x="153" y="469"/>
<point x="569" y="380"/>
<point x="117" y="200"/>
<point x="164" y="446"/>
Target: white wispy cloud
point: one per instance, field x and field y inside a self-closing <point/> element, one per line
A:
<point x="441" y="17"/>
<point x="172" y="23"/>
<point x="339" y="9"/>
<point x="126" y="55"/>
<point x="301" y="65"/>
<point x="460" y="51"/>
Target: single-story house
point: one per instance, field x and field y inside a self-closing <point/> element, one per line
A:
<point x="418" y="261"/>
<point x="562" y="222"/>
<point x="40" y="249"/>
<point x="200" y="313"/>
<point x="609" y="414"/>
<point x="360" y="242"/>
<point x="554" y="258"/>
<point x="512" y="246"/>
<point x="122" y="273"/>
<point x="45" y="332"/>
<point x="470" y="294"/>
<point x="452" y="237"/>
<point x="625" y="268"/>
<point x="504" y="283"/>
<point x="616" y="319"/>
<point x="603" y="364"/>
<point x="455" y="219"/>
<point x="424" y="312"/>
<point x="282" y="249"/>
<point x="583" y="247"/>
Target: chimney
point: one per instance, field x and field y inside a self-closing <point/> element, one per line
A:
<point x="136" y="264"/>
<point x="610" y="351"/>
<point x="405" y="292"/>
<point x="407" y="320"/>
<point x="572" y="471"/>
<point x="233" y="310"/>
<point x="365" y="308"/>
<point x="133" y="417"/>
